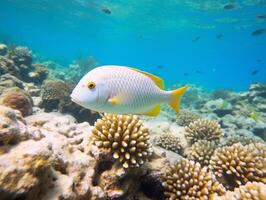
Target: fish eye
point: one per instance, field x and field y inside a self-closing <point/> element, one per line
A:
<point x="91" y="85"/>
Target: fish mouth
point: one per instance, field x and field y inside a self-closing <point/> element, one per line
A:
<point x="76" y="100"/>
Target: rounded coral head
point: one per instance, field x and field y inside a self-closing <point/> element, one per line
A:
<point x="125" y="137"/>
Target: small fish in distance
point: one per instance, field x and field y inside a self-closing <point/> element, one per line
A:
<point x="254" y="72"/>
<point x="198" y="72"/>
<point x="196" y="39"/>
<point x="229" y="6"/>
<point x="258" y="32"/>
<point x="261" y="16"/>
<point x="219" y="36"/>
<point x="106" y="11"/>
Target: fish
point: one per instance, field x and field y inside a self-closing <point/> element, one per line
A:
<point x="198" y="72"/>
<point x="106" y="11"/>
<point x="229" y="6"/>
<point x="258" y="32"/>
<point x="259" y="60"/>
<point x="186" y="74"/>
<point x="219" y="36"/>
<point x="254" y="72"/>
<point x="124" y="90"/>
<point x="196" y="39"/>
<point x="261" y="16"/>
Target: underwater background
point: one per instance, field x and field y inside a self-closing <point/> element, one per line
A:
<point x="213" y="148"/>
<point x="208" y="43"/>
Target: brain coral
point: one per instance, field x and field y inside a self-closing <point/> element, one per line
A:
<point x="203" y="129"/>
<point x="169" y="142"/>
<point x="18" y="99"/>
<point x="201" y="151"/>
<point x="188" y="180"/>
<point x="184" y="117"/>
<point x="124" y="136"/>
<point x="237" y="164"/>
<point x="249" y="191"/>
<point x="54" y="93"/>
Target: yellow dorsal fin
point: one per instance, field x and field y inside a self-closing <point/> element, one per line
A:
<point x="154" y="111"/>
<point x="157" y="80"/>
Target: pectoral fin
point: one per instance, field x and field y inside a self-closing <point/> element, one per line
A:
<point x="154" y="111"/>
<point x="115" y="100"/>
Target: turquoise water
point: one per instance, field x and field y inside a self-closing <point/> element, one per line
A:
<point x="183" y="41"/>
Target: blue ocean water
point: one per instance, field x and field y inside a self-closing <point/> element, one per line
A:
<point x="207" y="43"/>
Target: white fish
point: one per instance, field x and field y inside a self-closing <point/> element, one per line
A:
<point x="124" y="90"/>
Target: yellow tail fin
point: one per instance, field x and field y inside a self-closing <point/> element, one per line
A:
<point x="176" y="96"/>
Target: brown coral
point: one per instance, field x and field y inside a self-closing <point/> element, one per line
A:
<point x="250" y="191"/>
<point x="243" y="139"/>
<point x="54" y="94"/>
<point x="185" y="117"/>
<point x="201" y="151"/>
<point x="18" y="99"/>
<point x="39" y="74"/>
<point x="236" y="165"/>
<point x="188" y="180"/>
<point x="124" y="136"/>
<point x="203" y="129"/>
<point x="169" y="142"/>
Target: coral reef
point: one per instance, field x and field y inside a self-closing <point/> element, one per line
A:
<point x="12" y="126"/>
<point x="201" y="151"/>
<point x="25" y="171"/>
<point x="188" y="180"/>
<point x="203" y="129"/>
<point x="50" y="155"/>
<point x="80" y="67"/>
<point x="54" y="94"/>
<point x="8" y="81"/>
<point x="18" y="62"/>
<point x="169" y="142"/>
<point x="249" y="191"/>
<point x="125" y="137"/>
<point x="39" y="74"/>
<point x="243" y="139"/>
<point x="185" y="117"/>
<point x="221" y="94"/>
<point x="3" y="49"/>
<point x="237" y="164"/>
<point x="18" y="99"/>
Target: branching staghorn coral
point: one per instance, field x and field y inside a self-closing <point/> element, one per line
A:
<point x="249" y="191"/>
<point x="236" y="165"/>
<point x="203" y="129"/>
<point x="124" y="136"/>
<point x="184" y="117"/>
<point x="188" y="180"/>
<point x="169" y="142"/>
<point x="201" y="151"/>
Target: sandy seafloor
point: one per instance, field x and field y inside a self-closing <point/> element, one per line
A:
<point x="51" y="148"/>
